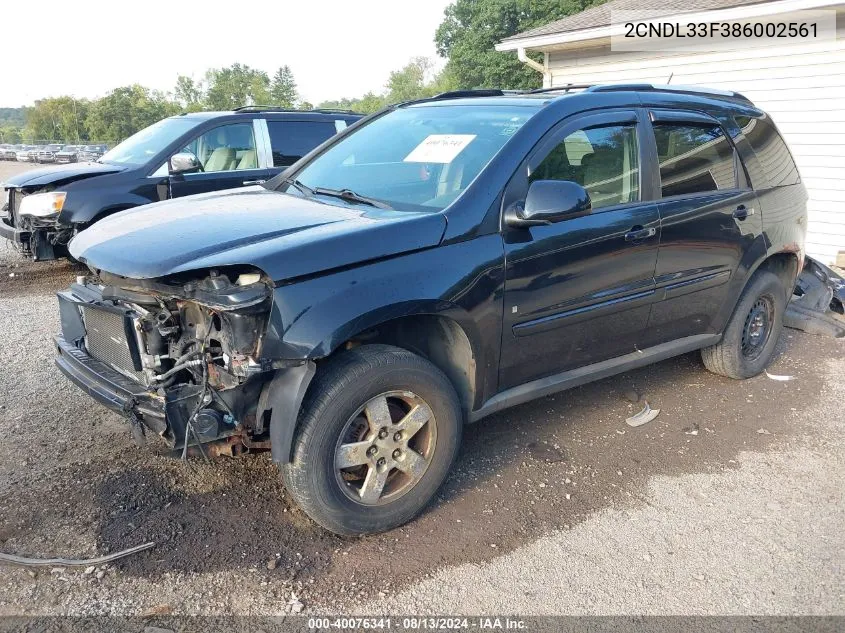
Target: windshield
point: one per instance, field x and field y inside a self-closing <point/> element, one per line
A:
<point x="142" y="146"/>
<point x="418" y="158"/>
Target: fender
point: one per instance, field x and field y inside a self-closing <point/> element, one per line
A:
<point x="283" y="396"/>
<point x="313" y="317"/>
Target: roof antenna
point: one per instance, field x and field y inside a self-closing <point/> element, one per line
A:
<point x="668" y="81"/>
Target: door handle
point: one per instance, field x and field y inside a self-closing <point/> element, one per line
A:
<point x="639" y="233"/>
<point x="254" y="182"/>
<point x="742" y="212"/>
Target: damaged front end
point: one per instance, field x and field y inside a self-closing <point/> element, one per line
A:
<point x="31" y="221"/>
<point x="180" y="357"/>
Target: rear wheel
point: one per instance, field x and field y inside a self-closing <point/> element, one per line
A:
<point x="379" y="430"/>
<point x="752" y="333"/>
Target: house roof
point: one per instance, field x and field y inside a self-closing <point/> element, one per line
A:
<point x="600" y="16"/>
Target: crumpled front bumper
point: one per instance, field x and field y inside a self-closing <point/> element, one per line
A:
<point x="11" y="233"/>
<point x="109" y="387"/>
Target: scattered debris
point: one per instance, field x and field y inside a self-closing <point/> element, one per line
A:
<point x="817" y="305"/>
<point x="764" y="431"/>
<point x="643" y="417"/>
<point x="23" y="561"/>
<point x="780" y="377"/>
<point x="271" y="564"/>
<point x="159" y="609"/>
<point x="692" y="430"/>
<point x="295" y="604"/>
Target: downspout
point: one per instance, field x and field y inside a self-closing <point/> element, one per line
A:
<point x="540" y="68"/>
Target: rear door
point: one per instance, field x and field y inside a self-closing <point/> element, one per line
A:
<point x="710" y="222"/>
<point x="291" y="139"/>
<point x="230" y="155"/>
<point x="579" y="291"/>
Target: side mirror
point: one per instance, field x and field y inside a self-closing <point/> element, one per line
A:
<point x="547" y="202"/>
<point x="184" y="163"/>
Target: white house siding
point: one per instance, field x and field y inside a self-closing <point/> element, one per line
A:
<point x="802" y="86"/>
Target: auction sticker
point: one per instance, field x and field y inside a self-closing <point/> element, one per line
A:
<point x="439" y="148"/>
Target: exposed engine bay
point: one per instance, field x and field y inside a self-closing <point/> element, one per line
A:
<point x="187" y="349"/>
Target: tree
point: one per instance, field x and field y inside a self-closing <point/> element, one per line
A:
<point x="471" y="29"/>
<point x="125" y="111"/>
<point x="236" y="86"/>
<point x="409" y="81"/>
<point x="283" y="88"/>
<point x="189" y="93"/>
<point x="10" y="134"/>
<point x="412" y="81"/>
<point x="57" y="118"/>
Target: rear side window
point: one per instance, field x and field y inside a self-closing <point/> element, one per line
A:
<point x="694" y="159"/>
<point x="771" y="151"/>
<point x="603" y="160"/>
<point x="291" y="140"/>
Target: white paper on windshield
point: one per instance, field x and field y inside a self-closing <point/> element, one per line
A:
<point x="439" y="148"/>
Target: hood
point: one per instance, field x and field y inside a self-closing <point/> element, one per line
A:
<point x="282" y="234"/>
<point x="60" y="174"/>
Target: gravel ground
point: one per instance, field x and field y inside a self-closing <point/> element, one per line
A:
<point x="729" y="502"/>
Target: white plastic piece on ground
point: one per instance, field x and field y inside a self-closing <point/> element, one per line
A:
<point x="780" y="378"/>
<point x="643" y="417"/>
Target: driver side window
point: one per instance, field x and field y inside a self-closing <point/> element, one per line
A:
<point x="603" y="160"/>
<point x="225" y="148"/>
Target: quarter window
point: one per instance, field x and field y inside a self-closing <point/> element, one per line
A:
<point x="225" y="148"/>
<point x="603" y="160"/>
<point x="694" y="159"/>
<point x="291" y="140"/>
<point x="771" y="151"/>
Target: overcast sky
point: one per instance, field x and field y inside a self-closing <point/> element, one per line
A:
<point x="87" y="47"/>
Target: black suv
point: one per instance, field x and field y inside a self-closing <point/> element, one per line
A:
<point x="431" y="265"/>
<point x="178" y="156"/>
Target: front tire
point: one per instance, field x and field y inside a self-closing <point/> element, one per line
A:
<point x="379" y="430"/>
<point x="752" y="333"/>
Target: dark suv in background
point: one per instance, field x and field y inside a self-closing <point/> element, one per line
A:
<point x="178" y="156"/>
<point x="431" y="265"/>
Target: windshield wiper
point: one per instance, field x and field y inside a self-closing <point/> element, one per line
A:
<point x="308" y="191"/>
<point x="348" y="194"/>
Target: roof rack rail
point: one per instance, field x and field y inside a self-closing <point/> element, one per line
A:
<point x="645" y="87"/>
<point x="266" y="108"/>
<point x="477" y="92"/>
<point x="563" y="88"/>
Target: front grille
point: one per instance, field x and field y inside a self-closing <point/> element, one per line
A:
<point x="108" y="338"/>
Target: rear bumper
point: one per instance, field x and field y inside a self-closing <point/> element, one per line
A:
<point x="109" y="387"/>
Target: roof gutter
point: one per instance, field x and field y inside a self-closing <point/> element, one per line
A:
<point x="540" y="68"/>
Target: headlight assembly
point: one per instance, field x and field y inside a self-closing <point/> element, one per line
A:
<point x="43" y="205"/>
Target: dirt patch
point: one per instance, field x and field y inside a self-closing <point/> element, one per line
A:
<point x="543" y="466"/>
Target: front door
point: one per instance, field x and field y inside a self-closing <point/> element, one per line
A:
<point x="228" y="157"/>
<point x="579" y="291"/>
<point x="711" y="226"/>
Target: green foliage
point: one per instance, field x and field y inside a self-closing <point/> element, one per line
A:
<point x="189" y="93"/>
<point x="14" y="117"/>
<point x="471" y="29"/>
<point x="283" y="88"/>
<point x="236" y="86"/>
<point x="58" y="118"/>
<point x="126" y="110"/>
<point x="410" y="82"/>
<point x="10" y="134"/>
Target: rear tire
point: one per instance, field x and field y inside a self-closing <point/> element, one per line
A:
<point x="753" y="330"/>
<point x="378" y="432"/>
